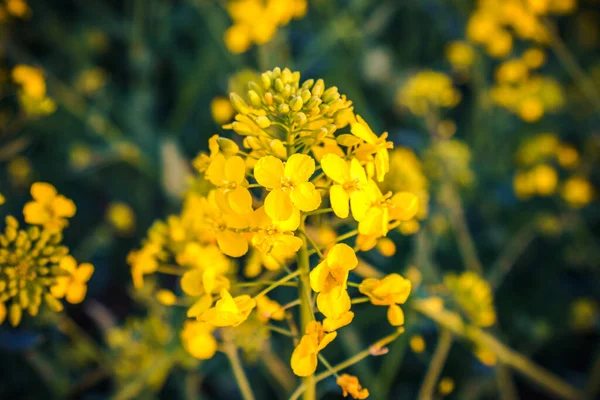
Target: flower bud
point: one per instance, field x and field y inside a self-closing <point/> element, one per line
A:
<point x="254" y="99"/>
<point x="266" y="81"/>
<point x="239" y="104"/>
<point x="296" y="103"/>
<point x="318" y="88"/>
<point x="278" y="148"/>
<point x="228" y="146"/>
<point x="263" y="122"/>
<point x="284" y="109"/>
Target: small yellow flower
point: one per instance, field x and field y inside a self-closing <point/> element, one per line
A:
<point x="373" y="145"/>
<point x="2" y="199"/>
<point x="460" y="54"/>
<point x="349" y="180"/>
<point x="74" y="286"/>
<point x="304" y="357"/>
<point x="417" y="343"/>
<point x="229" y="311"/>
<point x="577" y="192"/>
<point x="333" y="271"/>
<point x="269" y="309"/>
<point x="121" y="217"/>
<point x="335" y="305"/>
<point x="48" y="208"/>
<point x="221" y="110"/>
<point x="351" y="386"/>
<point x="446" y="386"/>
<point x="229" y="176"/>
<point x="198" y="340"/>
<point x="288" y="184"/>
<point x="392" y="289"/>
<point x="377" y="210"/>
<point x="166" y="297"/>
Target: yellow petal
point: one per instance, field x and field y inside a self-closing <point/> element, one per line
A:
<point x="192" y="284"/>
<point x="406" y="206"/>
<point x="215" y="172"/>
<point x="357" y="171"/>
<point x="68" y="263"/>
<point x="360" y="204"/>
<point x="371" y="224"/>
<point x="278" y="205"/>
<point x="240" y="200"/>
<point x="336" y="168"/>
<point x="305" y="197"/>
<point x="36" y="213"/>
<point x="235" y="170"/>
<point x="304" y="357"/>
<point x="362" y="130"/>
<point x="43" y="192"/>
<point x="268" y="172"/>
<point x="76" y="292"/>
<point x="299" y="167"/>
<point x="232" y="244"/>
<point x="395" y="315"/>
<point x="200" y="306"/>
<point x="84" y="272"/>
<point x="290" y="224"/>
<point x="382" y="164"/>
<point x="342" y="256"/>
<point x="339" y="201"/>
<point x="63" y="207"/>
<point x="318" y="277"/>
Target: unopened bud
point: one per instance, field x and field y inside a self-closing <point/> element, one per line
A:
<point x="239" y="104"/>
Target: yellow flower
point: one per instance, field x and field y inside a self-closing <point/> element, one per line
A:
<point x="351" y="386"/>
<point x="417" y="343"/>
<point x="460" y="54"/>
<point x="74" y="286"/>
<point x="392" y="289"/>
<point x="349" y="179"/>
<point x="269" y="309"/>
<point x="304" y="357"/>
<point x="335" y="305"/>
<point x="333" y="271"/>
<point x="31" y="80"/>
<point x="577" y="192"/>
<point x="386" y="247"/>
<point x="446" y="386"/>
<point x="18" y="8"/>
<point x="377" y="210"/>
<point x="221" y="110"/>
<point x="276" y="238"/>
<point x="288" y="185"/>
<point x="395" y="315"/>
<point x="2" y="199"/>
<point x="229" y="176"/>
<point x="198" y="340"/>
<point x="229" y="311"/>
<point x="373" y="145"/>
<point x="474" y="296"/>
<point x="166" y="297"/>
<point x="121" y="217"/>
<point x="143" y="262"/>
<point x="48" y="208"/>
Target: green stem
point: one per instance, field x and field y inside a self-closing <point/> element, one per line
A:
<point x="543" y="378"/>
<point x="231" y="351"/>
<point x="278" y="283"/>
<point x="373" y="349"/>
<point x="437" y="364"/>
<point x="313" y="244"/>
<point x="306" y="309"/>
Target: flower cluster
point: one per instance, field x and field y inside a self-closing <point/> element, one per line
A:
<point x="427" y="91"/>
<point x="257" y="21"/>
<point x="540" y="159"/>
<point x="495" y="22"/>
<point x="32" y="91"/>
<point x="305" y="161"/>
<point x="34" y="266"/>
<point x="474" y="297"/>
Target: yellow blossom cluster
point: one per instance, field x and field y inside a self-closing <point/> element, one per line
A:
<point x="525" y="93"/>
<point x="474" y="297"/>
<point x="427" y="91"/>
<point x="494" y="23"/>
<point x="539" y="159"/>
<point x="32" y="91"/>
<point x="302" y="160"/>
<point x="34" y="265"/>
<point x="14" y="8"/>
<point x="257" y="21"/>
<point x="449" y="159"/>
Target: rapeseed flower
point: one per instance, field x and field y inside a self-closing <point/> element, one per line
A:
<point x="351" y="386"/>
<point x="48" y="208"/>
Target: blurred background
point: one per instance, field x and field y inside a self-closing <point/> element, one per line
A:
<point x="110" y="101"/>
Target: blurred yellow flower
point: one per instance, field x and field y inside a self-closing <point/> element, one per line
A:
<point x="73" y="287"/>
<point x="121" y="216"/>
<point x="417" y="343"/>
<point x="351" y="386"/>
<point x="577" y="192"/>
<point x="221" y="110"/>
<point x="229" y="311"/>
<point x="304" y="357"/>
<point x="198" y="340"/>
<point x="48" y="208"/>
